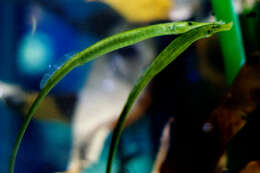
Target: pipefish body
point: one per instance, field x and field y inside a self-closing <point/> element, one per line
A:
<point x="100" y="48"/>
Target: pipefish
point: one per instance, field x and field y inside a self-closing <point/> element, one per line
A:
<point x="100" y="48"/>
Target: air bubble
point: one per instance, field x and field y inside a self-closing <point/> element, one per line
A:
<point x="51" y="70"/>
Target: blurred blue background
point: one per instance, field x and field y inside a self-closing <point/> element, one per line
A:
<point x="33" y="42"/>
<point x="35" y="39"/>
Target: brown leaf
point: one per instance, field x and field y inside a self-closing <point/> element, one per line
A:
<point x="242" y="98"/>
<point x="252" y="167"/>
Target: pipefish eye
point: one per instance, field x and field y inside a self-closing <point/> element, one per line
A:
<point x="209" y="31"/>
<point x="191" y="23"/>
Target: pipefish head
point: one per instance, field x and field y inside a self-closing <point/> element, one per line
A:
<point x="181" y="27"/>
<point x="217" y="27"/>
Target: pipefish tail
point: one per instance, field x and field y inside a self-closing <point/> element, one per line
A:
<point x="100" y="48"/>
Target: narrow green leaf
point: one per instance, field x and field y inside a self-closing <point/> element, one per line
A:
<point x="170" y="53"/>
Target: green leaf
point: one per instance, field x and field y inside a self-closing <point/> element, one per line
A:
<point x="169" y="54"/>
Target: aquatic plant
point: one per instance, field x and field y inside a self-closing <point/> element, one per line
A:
<point x="231" y="43"/>
<point x="191" y="32"/>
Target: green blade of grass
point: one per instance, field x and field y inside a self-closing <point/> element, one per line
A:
<point x="170" y="53"/>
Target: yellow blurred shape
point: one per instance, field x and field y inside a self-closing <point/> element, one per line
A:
<point x="141" y="10"/>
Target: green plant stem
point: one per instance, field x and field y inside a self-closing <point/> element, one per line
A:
<point x="169" y="54"/>
<point x="231" y="41"/>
